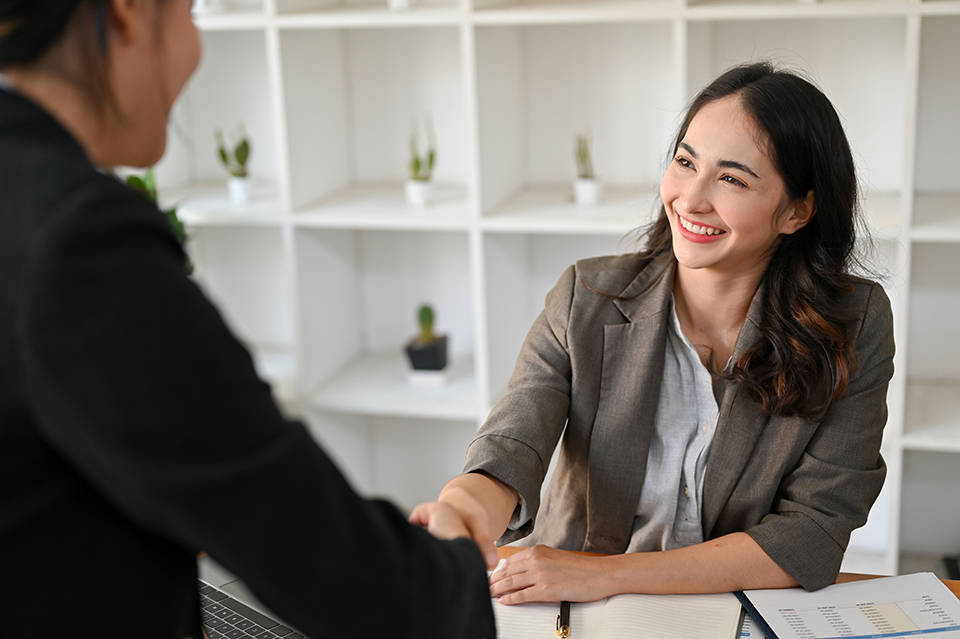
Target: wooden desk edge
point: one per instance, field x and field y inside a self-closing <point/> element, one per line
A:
<point x="952" y="585"/>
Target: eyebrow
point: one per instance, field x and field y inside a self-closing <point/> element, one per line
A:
<point x="727" y="164"/>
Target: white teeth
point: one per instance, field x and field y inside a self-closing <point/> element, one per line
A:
<point x="699" y="230"/>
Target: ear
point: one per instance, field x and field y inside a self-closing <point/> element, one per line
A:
<point x="126" y="20"/>
<point x="798" y="214"/>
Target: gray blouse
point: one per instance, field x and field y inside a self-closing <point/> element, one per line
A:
<point x="668" y="514"/>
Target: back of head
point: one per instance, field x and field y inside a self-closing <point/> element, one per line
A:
<point x="28" y="28"/>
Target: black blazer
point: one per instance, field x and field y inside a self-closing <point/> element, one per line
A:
<point x="134" y="433"/>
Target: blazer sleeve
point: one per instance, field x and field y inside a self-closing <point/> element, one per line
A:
<point x="518" y="439"/>
<point x="840" y="473"/>
<point x="136" y="380"/>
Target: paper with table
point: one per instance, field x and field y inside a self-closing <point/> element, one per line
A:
<point x="627" y="617"/>
<point x="909" y="605"/>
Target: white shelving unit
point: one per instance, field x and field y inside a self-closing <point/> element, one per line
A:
<point x="321" y="274"/>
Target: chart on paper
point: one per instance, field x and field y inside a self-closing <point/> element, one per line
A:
<point x="892" y="619"/>
<point x="910" y="605"/>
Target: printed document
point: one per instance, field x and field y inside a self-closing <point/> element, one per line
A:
<point x="909" y="605"/>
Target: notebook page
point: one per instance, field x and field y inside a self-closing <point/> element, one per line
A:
<point x="670" y="617"/>
<point x="539" y="620"/>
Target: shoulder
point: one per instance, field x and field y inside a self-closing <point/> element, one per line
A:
<point x="868" y="302"/>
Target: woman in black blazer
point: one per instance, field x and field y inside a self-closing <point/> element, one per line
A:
<point x="134" y="432"/>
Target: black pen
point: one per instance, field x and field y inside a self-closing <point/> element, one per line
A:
<point x="563" y="620"/>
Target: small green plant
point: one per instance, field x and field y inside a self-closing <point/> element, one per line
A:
<point x="425" y="319"/>
<point x="147" y="184"/>
<point x="582" y="154"/>
<point x="234" y="156"/>
<point x="421" y="166"/>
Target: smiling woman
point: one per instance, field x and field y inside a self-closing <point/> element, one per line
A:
<point x="718" y="398"/>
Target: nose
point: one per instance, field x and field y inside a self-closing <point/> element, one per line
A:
<point x="694" y="196"/>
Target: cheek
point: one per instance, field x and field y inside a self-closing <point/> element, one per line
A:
<point x="668" y="189"/>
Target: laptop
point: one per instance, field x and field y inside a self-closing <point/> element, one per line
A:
<point x="230" y="611"/>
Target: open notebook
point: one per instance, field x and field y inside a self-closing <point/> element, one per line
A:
<point x="627" y="617"/>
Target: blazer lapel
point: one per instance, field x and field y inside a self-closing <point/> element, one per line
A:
<point x="630" y="379"/>
<point x="738" y="429"/>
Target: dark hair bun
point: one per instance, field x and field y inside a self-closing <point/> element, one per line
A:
<point x="29" y="27"/>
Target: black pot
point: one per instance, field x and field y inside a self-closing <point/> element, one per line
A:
<point x="428" y="357"/>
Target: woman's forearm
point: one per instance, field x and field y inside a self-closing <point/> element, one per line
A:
<point x="483" y="498"/>
<point x="728" y="563"/>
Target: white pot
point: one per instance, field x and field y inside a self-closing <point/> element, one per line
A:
<point x="239" y="188"/>
<point x="418" y="193"/>
<point x="398" y="5"/>
<point x="586" y="192"/>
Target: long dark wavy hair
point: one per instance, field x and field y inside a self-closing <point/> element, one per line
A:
<point x="806" y="357"/>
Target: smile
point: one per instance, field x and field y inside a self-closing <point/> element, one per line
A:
<point x="697" y="229"/>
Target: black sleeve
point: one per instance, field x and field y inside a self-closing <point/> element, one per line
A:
<point x="137" y="381"/>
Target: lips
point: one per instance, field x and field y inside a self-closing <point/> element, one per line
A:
<point x="700" y="229"/>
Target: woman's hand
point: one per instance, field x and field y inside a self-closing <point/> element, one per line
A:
<point x="450" y="520"/>
<point x="543" y="573"/>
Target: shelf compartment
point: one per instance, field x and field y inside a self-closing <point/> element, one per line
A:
<point x="553" y="211"/>
<point x="241" y="269"/>
<point x="208" y="204"/>
<point x="936" y="217"/>
<point x="849" y="58"/>
<point x="384" y="207"/>
<point x="938" y="129"/>
<point x="360" y="290"/>
<point x="934" y="308"/>
<point x="541" y="86"/>
<point x="377" y="384"/>
<point x="933" y="416"/>
<point x="226" y="91"/>
<point x="352" y="96"/>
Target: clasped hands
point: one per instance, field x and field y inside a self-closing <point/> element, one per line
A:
<point x="540" y="573"/>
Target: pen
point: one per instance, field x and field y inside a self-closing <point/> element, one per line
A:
<point x="563" y="620"/>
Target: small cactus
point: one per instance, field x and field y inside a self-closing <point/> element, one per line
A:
<point x="421" y="166"/>
<point x="234" y="159"/>
<point x="582" y="154"/>
<point x="425" y="318"/>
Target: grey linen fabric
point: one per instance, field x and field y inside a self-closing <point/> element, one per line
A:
<point x="591" y="370"/>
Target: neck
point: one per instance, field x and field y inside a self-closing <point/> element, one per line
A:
<point x="56" y="84"/>
<point x="712" y="307"/>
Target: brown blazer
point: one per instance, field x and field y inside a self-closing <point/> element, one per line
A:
<point x="594" y="364"/>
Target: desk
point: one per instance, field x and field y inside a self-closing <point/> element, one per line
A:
<point x="953" y="585"/>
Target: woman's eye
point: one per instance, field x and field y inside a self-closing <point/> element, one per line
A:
<point x="684" y="162"/>
<point x="734" y="181"/>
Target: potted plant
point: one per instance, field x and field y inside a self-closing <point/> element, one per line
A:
<point x="147" y="184"/>
<point x="234" y="157"/>
<point x="427" y="352"/>
<point x="586" y="188"/>
<point x="420" y="167"/>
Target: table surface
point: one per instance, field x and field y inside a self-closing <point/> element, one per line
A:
<point x="953" y="585"/>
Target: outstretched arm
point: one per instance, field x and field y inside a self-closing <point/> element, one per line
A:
<point x="728" y="563"/>
<point x="477" y="502"/>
